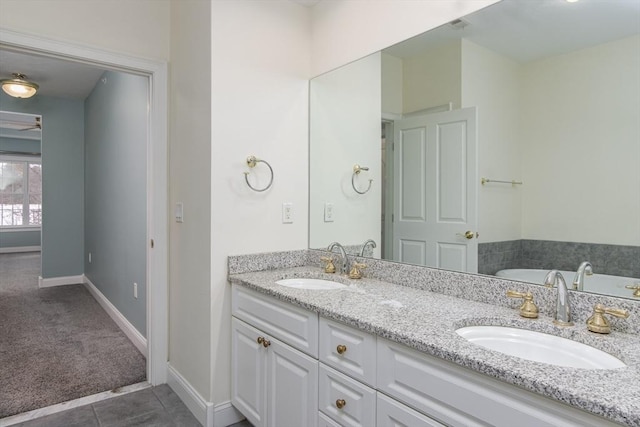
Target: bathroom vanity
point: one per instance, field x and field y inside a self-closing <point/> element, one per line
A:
<point x="379" y="352"/>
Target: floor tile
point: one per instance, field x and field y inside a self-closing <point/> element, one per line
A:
<point x="167" y="396"/>
<point x="127" y="406"/>
<point x="159" y="418"/>
<point x="78" y="417"/>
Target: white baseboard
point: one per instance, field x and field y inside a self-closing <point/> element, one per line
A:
<point x="220" y="415"/>
<point x="226" y="414"/>
<point x="199" y="407"/>
<point x="129" y="330"/>
<point x="16" y="249"/>
<point x="60" y="281"/>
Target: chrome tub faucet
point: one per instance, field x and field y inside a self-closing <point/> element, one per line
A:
<point x="578" y="280"/>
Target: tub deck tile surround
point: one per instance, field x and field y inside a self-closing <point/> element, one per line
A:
<point x="422" y="307"/>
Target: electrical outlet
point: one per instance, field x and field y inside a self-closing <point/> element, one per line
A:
<point x="328" y="212"/>
<point x="287" y="213"/>
<point x="135" y="290"/>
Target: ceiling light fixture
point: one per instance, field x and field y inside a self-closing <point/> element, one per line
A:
<point x="19" y="86"/>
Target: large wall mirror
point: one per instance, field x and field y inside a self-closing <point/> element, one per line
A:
<point x="503" y="143"/>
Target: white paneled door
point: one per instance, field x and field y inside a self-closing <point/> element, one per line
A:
<point x="435" y="215"/>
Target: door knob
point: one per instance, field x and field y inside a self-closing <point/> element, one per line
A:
<point x="468" y="234"/>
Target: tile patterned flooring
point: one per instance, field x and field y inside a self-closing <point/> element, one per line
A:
<point x="154" y="406"/>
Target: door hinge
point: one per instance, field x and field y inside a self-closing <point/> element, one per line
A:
<point x="152" y="243"/>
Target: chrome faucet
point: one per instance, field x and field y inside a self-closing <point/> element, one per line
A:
<point x="563" y="308"/>
<point x="344" y="267"/>
<point x="364" y="246"/>
<point x="578" y="280"/>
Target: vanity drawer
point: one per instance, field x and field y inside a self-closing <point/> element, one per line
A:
<point x="459" y="397"/>
<point x="324" y="421"/>
<point x="293" y="325"/>
<point x="391" y="413"/>
<point x="359" y="401"/>
<point x="348" y="350"/>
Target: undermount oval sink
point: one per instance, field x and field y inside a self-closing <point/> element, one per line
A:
<point x="313" y="284"/>
<point x="539" y="347"/>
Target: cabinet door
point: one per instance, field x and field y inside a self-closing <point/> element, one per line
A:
<point x="248" y="372"/>
<point x="292" y="394"/>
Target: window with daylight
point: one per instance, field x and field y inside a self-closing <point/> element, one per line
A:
<point x="20" y="192"/>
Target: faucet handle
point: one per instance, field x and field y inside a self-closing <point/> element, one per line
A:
<point x="355" y="272"/>
<point x="598" y="323"/>
<point x="329" y="267"/>
<point x="528" y="308"/>
<point x="636" y="288"/>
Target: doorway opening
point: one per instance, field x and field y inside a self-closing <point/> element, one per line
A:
<point x="155" y="179"/>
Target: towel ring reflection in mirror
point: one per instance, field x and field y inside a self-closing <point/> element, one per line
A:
<point x="252" y="161"/>
<point x="356" y="171"/>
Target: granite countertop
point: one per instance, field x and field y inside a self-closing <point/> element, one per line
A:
<point x="427" y="321"/>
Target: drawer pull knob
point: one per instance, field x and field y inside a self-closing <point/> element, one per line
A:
<point x="260" y="340"/>
<point x="340" y="403"/>
<point x="341" y="349"/>
<point x="266" y="343"/>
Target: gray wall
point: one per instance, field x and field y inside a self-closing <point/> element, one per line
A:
<point x="115" y="192"/>
<point x="15" y="239"/>
<point x="62" y="180"/>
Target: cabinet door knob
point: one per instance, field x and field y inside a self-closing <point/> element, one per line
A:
<point x="260" y="340"/>
<point x="340" y="403"/>
<point x="266" y="343"/>
<point x="341" y="348"/>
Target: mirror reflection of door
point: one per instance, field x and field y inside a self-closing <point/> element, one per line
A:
<point x="435" y="190"/>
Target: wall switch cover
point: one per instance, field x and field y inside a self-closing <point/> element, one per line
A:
<point x="328" y="212"/>
<point x="179" y="212"/>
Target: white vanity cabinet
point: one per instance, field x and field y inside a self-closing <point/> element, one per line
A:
<point x="273" y="384"/>
<point x="290" y="368"/>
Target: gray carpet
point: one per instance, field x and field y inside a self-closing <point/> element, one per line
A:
<point x="56" y="344"/>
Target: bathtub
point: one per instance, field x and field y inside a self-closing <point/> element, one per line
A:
<point x="597" y="283"/>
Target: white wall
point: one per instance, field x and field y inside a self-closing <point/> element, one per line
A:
<point x="433" y="78"/>
<point x="137" y="27"/>
<point x="391" y="84"/>
<point x="260" y="71"/>
<point x="343" y="31"/>
<point x="344" y="131"/>
<point x="490" y="82"/>
<point x="560" y="117"/>
<point x="190" y="167"/>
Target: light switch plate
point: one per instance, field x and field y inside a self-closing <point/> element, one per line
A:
<point x="328" y="212"/>
<point x="179" y="212"/>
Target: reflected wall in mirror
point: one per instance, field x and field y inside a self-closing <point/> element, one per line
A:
<point x="546" y="93"/>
